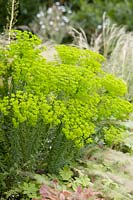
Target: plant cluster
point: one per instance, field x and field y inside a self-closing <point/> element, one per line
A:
<point x="58" y="106"/>
<point x="85" y="14"/>
<point x="104" y="170"/>
<point x="46" y="187"/>
<point x="52" y="193"/>
<point x="52" y="23"/>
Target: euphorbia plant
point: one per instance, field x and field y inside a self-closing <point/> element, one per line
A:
<point x="53" y="107"/>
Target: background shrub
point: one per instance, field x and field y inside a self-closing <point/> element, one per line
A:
<point x="52" y="23"/>
<point x="88" y="14"/>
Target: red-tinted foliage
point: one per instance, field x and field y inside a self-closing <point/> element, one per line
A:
<point x="52" y="193"/>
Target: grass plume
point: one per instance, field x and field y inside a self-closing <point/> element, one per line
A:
<point x="12" y="10"/>
<point x="116" y="44"/>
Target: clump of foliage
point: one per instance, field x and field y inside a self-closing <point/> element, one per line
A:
<point x="52" y="193"/>
<point x="43" y="187"/>
<point x="48" y="110"/>
<point x="52" y="22"/>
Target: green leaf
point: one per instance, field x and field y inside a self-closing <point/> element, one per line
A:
<point x="66" y="173"/>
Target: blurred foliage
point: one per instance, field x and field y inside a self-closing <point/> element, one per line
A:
<point x="3" y="14"/>
<point x="86" y="14"/>
<point x="52" y="23"/>
<point x="26" y="12"/>
<point x="89" y="14"/>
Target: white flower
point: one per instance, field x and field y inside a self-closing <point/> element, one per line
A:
<point x="43" y="26"/>
<point x="49" y="11"/>
<point x="57" y="3"/>
<point x="65" y="19"/>
<point x="38" y="15"/>
<point x="42" y="14"/>
<point x="62" y="8"/>
<point x="69" y="12"/>
<point x="51" y="23"/>
<point x="99" y="26"/>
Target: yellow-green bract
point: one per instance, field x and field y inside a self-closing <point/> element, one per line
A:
<point x="72" y="92"/>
